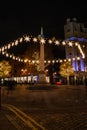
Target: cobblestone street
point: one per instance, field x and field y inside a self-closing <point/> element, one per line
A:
<point x="62" y="108"/>
<point x="63" y="121"/>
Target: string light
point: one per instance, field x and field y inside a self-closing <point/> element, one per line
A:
<point x="50" y="41"/>
<point x="63" y="43"/>
<point x="42" y="41"/>
<point x="27" y="38"/>
<point x="79" y="47"/>
<point x="70" y="44"/>
<point x="57" y="42"/>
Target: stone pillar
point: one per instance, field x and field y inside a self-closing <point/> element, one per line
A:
<point x="42" y="78"/>
<point x="42" y="57"/>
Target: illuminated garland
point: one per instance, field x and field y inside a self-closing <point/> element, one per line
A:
<point x="37" y="61"/>
<point x="27" y="38"/>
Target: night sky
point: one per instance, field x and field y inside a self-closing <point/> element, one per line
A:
<point x="17" y="19"/>
<point x="74" y="8"/>
<point x="21" y="18"/>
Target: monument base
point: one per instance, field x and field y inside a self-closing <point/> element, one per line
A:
<point x="42" y="78"/>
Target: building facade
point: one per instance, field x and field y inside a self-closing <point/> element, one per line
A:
<point x="76" y="32"/>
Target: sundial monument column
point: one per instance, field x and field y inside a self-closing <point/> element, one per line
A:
<point x="42" y="77"/>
